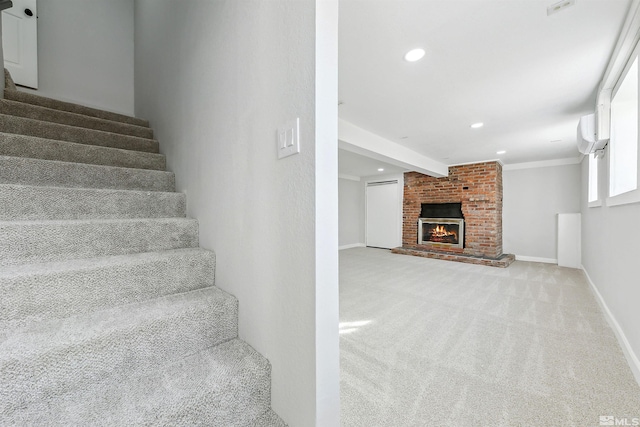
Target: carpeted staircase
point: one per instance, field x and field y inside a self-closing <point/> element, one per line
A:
<point x="108" y="310"/>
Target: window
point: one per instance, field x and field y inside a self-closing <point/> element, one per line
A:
<point x="593" y="181"/>
<point x="623" y="145"/>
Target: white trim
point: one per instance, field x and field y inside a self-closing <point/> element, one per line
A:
<point x="632" y="196"/>
<point x="629" y="37"/>
<point x="349" y="177"/>
<point x="324" y="348"/>
<point x="632" y="358"/>
<point x="536" y="259"/>
<point x="629" y="197"/>
<point x="545" y="163"/>
<point x="353" y="245"/>
<point x="626" y="44"/>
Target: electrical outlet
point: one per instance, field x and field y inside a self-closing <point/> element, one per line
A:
<point x="289" y="138"/>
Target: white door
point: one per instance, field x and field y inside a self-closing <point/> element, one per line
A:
<point x="20" y="42"/>
<point x="383" y="216"/>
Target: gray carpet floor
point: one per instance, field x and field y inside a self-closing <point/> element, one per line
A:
<point x="435" y="343"/>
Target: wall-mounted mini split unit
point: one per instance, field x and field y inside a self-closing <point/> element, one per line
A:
<point x="588" y="141"/>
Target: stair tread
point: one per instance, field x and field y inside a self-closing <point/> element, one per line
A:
<point x="269" y="419"/>
<point x="48" y="130"/>
<point x="37" y="112"/>
<point x="225" y="385"/>
<point x="34" y="147"/>
<point x="90" y="263"/>
<point x="17" y="95"/>
<point x="41" y="337"/>
<point x="95" y="221"/>
<point x="51" y="358"/>
<point x="29" y="202"/>
<point x="27" y="171"/>
<point x="26" y="242"/>
<point x="39" y="292"/>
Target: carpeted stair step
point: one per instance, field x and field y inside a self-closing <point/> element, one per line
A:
<point x="53" y="358"/>
<point x="37" y="112"/>
<point x="40" y="129"/>
<point x="26" y="203"/>
<point x="37" y="292"/>
<point x="25" y="171"/>
<point x="227" y="386"/>
<point x="51" y="149"/>
<point x="30" y="242"/>
<point x="268" y="419"/>
<point x="15" y="95"/>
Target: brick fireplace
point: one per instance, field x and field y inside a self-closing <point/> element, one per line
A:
<point x="478" y="188"/>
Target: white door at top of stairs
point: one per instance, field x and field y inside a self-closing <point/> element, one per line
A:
<point x="383" y="214"/>
<point x="20" y="42"/>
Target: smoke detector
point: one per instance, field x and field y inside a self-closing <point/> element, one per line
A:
<point x="561" y="5"/>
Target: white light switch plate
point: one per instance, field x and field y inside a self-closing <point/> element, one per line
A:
<point x="289" y="138"/>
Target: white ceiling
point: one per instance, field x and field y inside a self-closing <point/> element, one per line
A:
<point x="355" y="165"/>
<point x="528" y="76"/>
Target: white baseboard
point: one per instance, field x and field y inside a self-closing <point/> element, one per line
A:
<point x="631" y="356"/>
<point x="353" y="245"/>
<point x="536" y="259"/>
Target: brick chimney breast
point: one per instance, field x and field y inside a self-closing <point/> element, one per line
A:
<point x="478" y="187"/>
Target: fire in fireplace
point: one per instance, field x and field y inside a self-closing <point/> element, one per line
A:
<point x="441" y="224"/>
<point x="442" y="233"/>
<point x="445" y="231"/>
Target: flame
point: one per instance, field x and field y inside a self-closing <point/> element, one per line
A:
<point x="441" y="231"/>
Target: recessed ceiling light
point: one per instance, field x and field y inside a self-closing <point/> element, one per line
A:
<point x="477" y="125"/>
<point x="556" y="140"/>
<point x="380" y="169"/>
<point x="500" y="152"/>
<point x="414" y="55"/>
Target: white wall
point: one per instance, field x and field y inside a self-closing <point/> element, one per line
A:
<point x="216" y="79"/>
<point x="610" y="254"/>
<point x="85" y="52"/>
<point x="351" y="212"/>
<point x="532" y="198"/>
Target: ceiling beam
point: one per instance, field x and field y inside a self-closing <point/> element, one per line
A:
<point x="360" y="141"/>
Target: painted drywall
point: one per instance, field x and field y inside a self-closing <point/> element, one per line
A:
<point x="216" y="79"/>
<point x="351" y="212"/>
<point x="85" y="53"/>
<point x="368" y="144"/>
<point x="610" y="254"/>
<point x="532" y="198"/>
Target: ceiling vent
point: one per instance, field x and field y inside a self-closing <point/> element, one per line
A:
<point x="561" y="5"/>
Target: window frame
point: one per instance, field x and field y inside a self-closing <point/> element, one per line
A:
<point x="632" y="196"/>
<point x="593" y="166"/>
